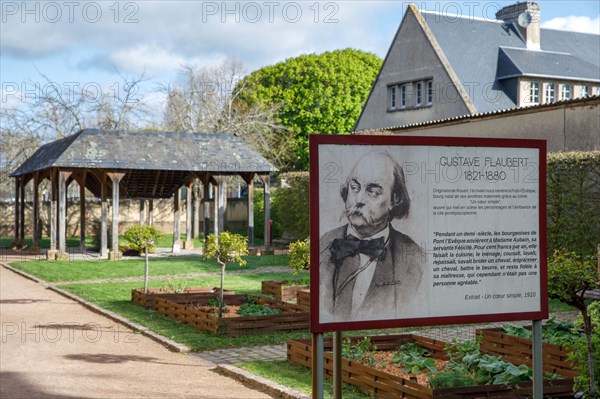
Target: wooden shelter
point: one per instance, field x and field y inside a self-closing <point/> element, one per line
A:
<point x="136" y="165"/>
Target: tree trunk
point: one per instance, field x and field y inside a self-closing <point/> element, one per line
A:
<point x="587" y="326"/>
<point x="145" y="269"/>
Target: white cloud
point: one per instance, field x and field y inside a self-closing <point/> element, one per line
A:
<point x="574" y="23"/>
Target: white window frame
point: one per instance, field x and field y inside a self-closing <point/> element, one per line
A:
<point x="565" y="92"/>
<point x="403" y="96"/>
<point x="534" y="92"/>
<point x="418" y="94"/>
<point x="429" y="91"/>
<point x="549" y="92"/>
<point x="596" y="90"/>
<point x="392" y="98"/>
<point x="585" y="92"/>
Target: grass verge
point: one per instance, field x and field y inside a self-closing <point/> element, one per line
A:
<point x="53" y="271"/>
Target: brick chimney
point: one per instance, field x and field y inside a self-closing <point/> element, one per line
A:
<point x="526" y="18"/>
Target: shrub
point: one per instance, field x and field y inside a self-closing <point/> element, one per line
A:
<point x="290" y="204"/>
<point x="580" y="351"/>
<point x="300" y="255"/>
<point x="451" y="379"/>
<point x="140" y="237"/>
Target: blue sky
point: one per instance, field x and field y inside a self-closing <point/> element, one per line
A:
<point x="88" y="43"/>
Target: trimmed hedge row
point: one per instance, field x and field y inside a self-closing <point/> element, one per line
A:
<point x="573" y="201"/>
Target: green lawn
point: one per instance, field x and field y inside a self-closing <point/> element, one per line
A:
<point x="117" y="298"/>
<point x="297" y="377"/>
<point x="99" y="269"/>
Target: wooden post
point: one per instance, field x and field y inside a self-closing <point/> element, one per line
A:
<point x="17" y="211"/>
<point x="36" y="211"/>
<point x="82" y="213"/>
<point x="267" y="182"/>
<point x="189" y="242"/>
<point x="150" y="210"/>
<point x="216" y="209"/>
<point x="251" y="212"/>
<point x="222" y="201"/>
<point x="115" y="177"/>
<point x="62" y="212"/>
<point x="197" y="194"/>
<point x="22" y="211"/>
<point x="142" y="212"/>
<point x="53" y="215"/>
<point x="206" y="201"/>
<point x="104" y="218"/>
<point x="176" y="223"/>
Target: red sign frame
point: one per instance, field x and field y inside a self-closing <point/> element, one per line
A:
<point x="357" y="140"/>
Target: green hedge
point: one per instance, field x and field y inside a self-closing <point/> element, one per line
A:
<point x="573" y="200"/>
<point x="290" y="205"/>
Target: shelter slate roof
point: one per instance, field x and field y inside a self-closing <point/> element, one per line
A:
<point x="155" y="163"/>
<point x="473" y="48"/>
<point x="140" y="150"/>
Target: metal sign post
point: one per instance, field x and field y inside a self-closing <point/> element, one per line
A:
<point x="337" y="365"/>
<point x="317" y="366"/>
<point x="538" y="373"/>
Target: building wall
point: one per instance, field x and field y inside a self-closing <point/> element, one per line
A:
<point x="411" y="58"/>
<point x="565" y="127"/>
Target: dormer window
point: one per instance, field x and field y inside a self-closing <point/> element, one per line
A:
<point x="550" y="93"/>
<point x="565" y="92"/>
<point x="534" y="92"/>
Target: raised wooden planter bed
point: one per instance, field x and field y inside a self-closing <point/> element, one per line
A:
<point x="303" y="297"/>
<point x="147" y="299"/>
<point x="292" y="318"/>
<point x="385" y="385"/>
<point x="281" y="290"/>
<point x="520" y="351"/>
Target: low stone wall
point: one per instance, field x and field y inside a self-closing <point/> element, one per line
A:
<point x="129" y="215"/>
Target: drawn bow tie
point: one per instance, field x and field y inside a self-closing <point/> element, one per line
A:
<point x="341" y="248"/>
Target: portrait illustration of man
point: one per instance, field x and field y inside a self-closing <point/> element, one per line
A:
<point x="368" y="270"/>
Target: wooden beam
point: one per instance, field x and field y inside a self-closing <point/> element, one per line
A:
<point x="103" y="216"/>
<point x="36" y="210"/>
<point x="267" y="183"/>
<point x="189" y="243"/>
<point x="250" y="212"/>
<point x="81" y="181"/>
<point x="53" y="217"/>
<point x="63" y="176"/>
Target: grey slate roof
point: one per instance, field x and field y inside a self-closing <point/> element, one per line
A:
<point x="177" y="151"/>
<point x="520" y="62"/>
<point x="473" y="48"/>
<point x="155" y="163"/>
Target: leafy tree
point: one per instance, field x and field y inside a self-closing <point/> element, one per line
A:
<point x="569" y="277"/>
<point x="143" y="238"/>
<point x="316" y="94"/>
<point x="227" y="247"/>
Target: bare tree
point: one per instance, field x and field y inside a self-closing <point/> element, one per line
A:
<point x="208" y="100"/>
<point x="57" y="111"/>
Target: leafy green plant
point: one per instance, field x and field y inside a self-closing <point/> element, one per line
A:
<point x="300" y="255"/>
<point x="362" y="351"/>
<point x="557" y="333"/>
<point x="227" y="247"/>
<point x="451" y="379"/>
<point x="175" y="286"/>
<point x="304" y="281"/>
<point x="414" y="359"/>
<point x="142" y="238"/>
<point x="253" y="309"/>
